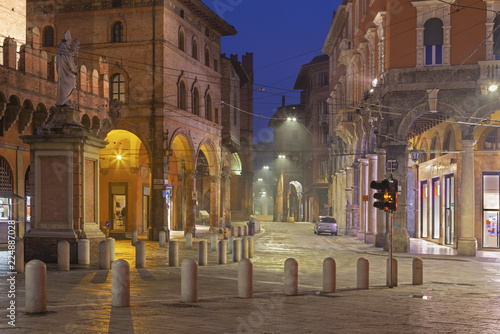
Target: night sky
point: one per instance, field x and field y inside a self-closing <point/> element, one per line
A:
<point x="283" y="35"/>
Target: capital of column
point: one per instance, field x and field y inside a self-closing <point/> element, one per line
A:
<point x="468" y="143"/>
<point x="363" y="161"/>
<point x="380" y="151"/>
<point x="215" y="178"/>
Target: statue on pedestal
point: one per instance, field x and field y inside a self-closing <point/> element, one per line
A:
<point x="67" y="70"/>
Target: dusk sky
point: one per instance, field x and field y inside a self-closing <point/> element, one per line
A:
<point x="283" y="35"/>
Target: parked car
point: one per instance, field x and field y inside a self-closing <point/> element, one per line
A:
<point x="326" y="225"/>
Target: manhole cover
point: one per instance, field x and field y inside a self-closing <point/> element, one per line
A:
<point x="181" y="305"/>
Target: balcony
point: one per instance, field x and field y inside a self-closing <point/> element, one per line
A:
<point x="489" y="74"/>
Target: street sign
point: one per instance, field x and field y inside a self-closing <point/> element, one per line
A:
<point x="365" y="198"/>
<point x="107" y="224"/>
<point x="392" y="165"/>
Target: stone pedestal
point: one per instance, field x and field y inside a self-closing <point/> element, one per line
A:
<point x="65" y="183"/>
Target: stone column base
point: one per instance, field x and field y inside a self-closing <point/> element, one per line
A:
<point x="400" y="240"/>
<point x="380" y="240"/>
<point x="370" y="238"/>
<point x="467" y="247"/>
<point x="361" y="235"/>
<point x="354" y="232"/>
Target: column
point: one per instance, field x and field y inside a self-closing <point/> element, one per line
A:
<point x="227" y="198"/>
<point x="372" y="211"/>
<point x="343" y="214"/>
<point x="334" y="195"/>
<point x="381" y="215"/>
<point x="363" y="204"/>
<point x="467" y="244"/>
<point x="356" y="190"/>
<point x="214" y="202"/>
<point x="190" y="215"/>
<point x="349" y="195"/>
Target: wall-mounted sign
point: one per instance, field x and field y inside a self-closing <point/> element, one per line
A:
<point x="365" y="198"/>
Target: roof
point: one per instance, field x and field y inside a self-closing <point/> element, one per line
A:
<point x="204" y="12"/>
<point x="301" y="82"/>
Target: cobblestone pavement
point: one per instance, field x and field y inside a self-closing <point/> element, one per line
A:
<point x="459" y="295"/>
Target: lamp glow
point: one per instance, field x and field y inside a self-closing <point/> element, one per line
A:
<point x="492" y="88"/>
<point x="119" y="157"/>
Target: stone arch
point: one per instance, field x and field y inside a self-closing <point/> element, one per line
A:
<point x="449" y="139"/>
<point x="96" y="123"/>
<point x="181" y="146"/>
<point x="12" y="112"/>
<point x="423" y="148"/>
<point x="435" y="146"/>
<point x="208" y="148"/>
<point x="86" y="121"/>
<point x="25" y="116"/>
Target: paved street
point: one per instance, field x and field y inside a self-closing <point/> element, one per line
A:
<point x="459" y="295"/>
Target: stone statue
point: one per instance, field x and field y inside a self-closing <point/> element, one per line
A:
<point x="67" y="70"/>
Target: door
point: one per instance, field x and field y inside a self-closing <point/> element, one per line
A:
<point x="491" y="209"/>
<point x="449" y="228"/>
<point x="118" y="206"/>
<point x="436" y="208"/>
<point x="423" y="209"/>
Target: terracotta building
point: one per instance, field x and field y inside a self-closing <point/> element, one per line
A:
<point x="416" y="77"/>
<point x="171" y="154"/>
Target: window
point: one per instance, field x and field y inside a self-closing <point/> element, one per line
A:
<point x="6" y="184"/>
<point x="208" y="108"/>
<point x="181" y="40"/>
<point x="216" y="65"/>
<point x="323" y="107"/>
<point x="116" y="3"/>
<point x="433" y="41"/>
<point x="118" y="87"/>
<point x="207" y="57"/>
<point x="182" y="96"/>
<point x="323" y="79"/>
<point x="194" y="52"/>
<point x="48" y="36"/>
<point x="492" y="141"/>
<point x="117" y="32"/>
<point x="196" y="101"/>
<point x="496" y="38"/>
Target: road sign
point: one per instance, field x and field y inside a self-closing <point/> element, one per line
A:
<point x="107" y="224"/>
<point x="392" y="165"/>
<point x="365" y="198"/>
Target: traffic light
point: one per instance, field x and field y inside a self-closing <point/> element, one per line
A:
<point x="392" y="191"/>
<point x="381" y="195"/>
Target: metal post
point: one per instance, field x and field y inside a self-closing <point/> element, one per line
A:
<point x="390" y="254"/>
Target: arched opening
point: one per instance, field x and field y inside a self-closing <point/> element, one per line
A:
<point x="117" y="32"/>
<point x="295" y="208"/>
<point x="48" y="36"/>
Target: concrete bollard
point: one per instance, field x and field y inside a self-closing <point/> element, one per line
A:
<point x="291" y="280"/>
<point x="189" y="240"/>
<point x="240" y="231"/>
<point x="222" y="258"/>
<point x="120" y="283"/>
<point x="84" y="251"/>
<point x="245" y="230"/>
<point x="140" y="254"/>
<point x="162" y="238"/>
<point x="418" y="271"/>
<point x="202" y="253"/>
<point x="394" y="273"/>
<point x="236" y="250"/>
<point x="329" y="275"/>
<point x="111" y="245"/>
<point x="363" y="278"/>
<point x="189" y="281"/>
<point x="167" y="235"/>
<point x="233" y="231"/>
<point x="245" y="279"/>
<point x="63" y="255"/>
<point x="244" y="248"/>
<point x="134" y="237"/>
<point x="104" y="255"/>
<point x="19" y="257"/>
<point x="173" y="254"/>
<point x="213" y="241"/>
<point x="250" y="247"/>
<point x="36" y="287"/>
<point x="230" y="244"/>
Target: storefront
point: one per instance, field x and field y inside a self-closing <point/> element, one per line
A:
<point x="490" y="209"/>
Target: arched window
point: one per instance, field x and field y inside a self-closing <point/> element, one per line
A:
<point x="492" y="140"/>
<point x="194" y="51"/>
<point x="117" y="32"/>
<point x="433" y="41"/>
<point x="208" y="108"/>
<point x="449" y="142"/>
<point x="48" y="36"/>
<point x="496" y="38"/>
<point x="117" y="87"/>
<point x="181" y="40"/>
<point x="182" y="96"/>
<point x="434" y="147"/>
<point x="207" y="57"/>
<point x="196" y="101"/>
<point x="6" y="185"/>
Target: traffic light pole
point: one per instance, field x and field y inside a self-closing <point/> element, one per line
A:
<point x="390" y="252"/>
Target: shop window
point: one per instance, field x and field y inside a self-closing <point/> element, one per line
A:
<point x="196" y="101"/>
<point x="491" y="209"/>
<point x="118" y="87"/>
<point x="48" y="36"/>
<point x="6" y="185"/>
<point x="117" y="32"/>
<point x="182" y="96"/>
<point x="208" y="108"/>
<point x="433" y="41"/>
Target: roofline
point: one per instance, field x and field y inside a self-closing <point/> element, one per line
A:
<point x="334" y="31"/>
<point x="198" y="7"/>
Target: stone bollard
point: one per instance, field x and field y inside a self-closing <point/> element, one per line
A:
<point x="230" y="244"/>
<point x="120" y="283"/>
<point x="111" y="245"/>
<point x="236" y="250"/>
<point x="63" y="255"/>
<point x="189" y="281"/>
<point x="418" y="271"/>
<point x="173" y="254"/>
<point x="245" y="230"/>
<point x="140" y="254"/>
<point x="233" y="231"/>
<point x="363" y="278"/>
<point x="19" y="257"/>
<point x="167" y="235"/>
<point x="134" y="237"/>
<point x="245" y="279"/>
<point x="250" y="247"/>
<point x="189" y="240"/>
<point x="240" y="231"/>
<point x="329" y="275"/>
<point x="202" y="253"/>
<point x="394" y="273"/>
<point x="213" y="241"/>
<point x="291" y="277"/>
<point x="162" y="238"/>
<point x="36" y="287"/>
<point x="84" y="251"/>
<point x="222" y="258"/>
<point x="244" y="248"/>
<point x="104" y="255"/>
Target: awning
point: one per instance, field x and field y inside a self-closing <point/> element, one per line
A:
<point x="9" y="194"/>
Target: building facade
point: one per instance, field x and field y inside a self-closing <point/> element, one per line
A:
<point x="413" y="77"/>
